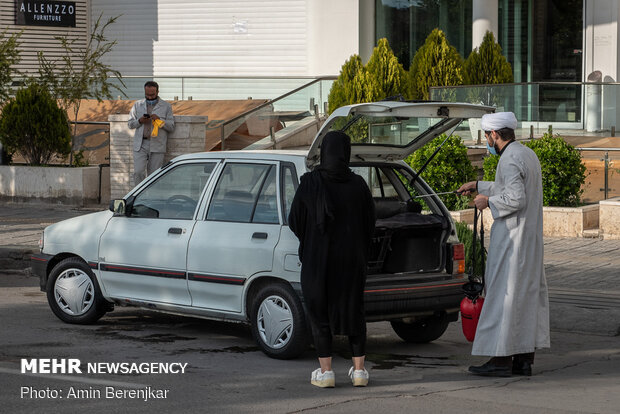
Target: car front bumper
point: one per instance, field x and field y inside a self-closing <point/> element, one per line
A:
<point x="38" y="264"/>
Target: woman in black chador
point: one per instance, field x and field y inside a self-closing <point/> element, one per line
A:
<point x="333" y="216"/>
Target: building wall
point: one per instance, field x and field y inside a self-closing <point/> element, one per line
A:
<point x="224" y="38"/>
<point x="41" y="38"/>
<point x="601" y="53"/>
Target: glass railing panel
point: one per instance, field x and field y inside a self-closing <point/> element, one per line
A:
<point x="597" y="187"/>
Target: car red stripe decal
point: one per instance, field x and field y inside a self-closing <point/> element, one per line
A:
<point x="142" y="271"/>
<point x="217" y="279"/>
<point x="38" y="259"/>
<point x="138" y="269"/>
<point x="412" y="288"/>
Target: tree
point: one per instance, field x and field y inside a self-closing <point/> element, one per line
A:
<point x="436" y="63"/>
<point x="80" y="73"/>
<point x="34" y="125"/>
<point x="486" y="65"/>
<point x="9" y="56"/>
<point x="343" y="90"/>
<point x="386" y="74"/>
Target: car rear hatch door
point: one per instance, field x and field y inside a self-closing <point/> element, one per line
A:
<point x="388" y="130"/>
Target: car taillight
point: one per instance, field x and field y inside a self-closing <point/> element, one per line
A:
<point x="41" y="242"/>
<point x="458" y="258"/>
<point x="458" y="251"/>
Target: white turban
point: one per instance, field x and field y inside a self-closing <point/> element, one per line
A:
<point x="499" y="120"/>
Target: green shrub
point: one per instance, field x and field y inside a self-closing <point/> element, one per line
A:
<point x="436" y="63"/>
<point x="33" y="125"/>
<point x="342" y="91"/>
<point x="486" y="65"/>
<point x="386" y="74"/>
<point x="447" y="171"/>
<point x="489" y="167"/>
<point x="382" y="77"/>
<point x="466" y="236"/>
<point x="563" y="173"/>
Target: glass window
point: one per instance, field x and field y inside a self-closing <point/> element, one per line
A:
<point x="407" y="23"/>
<point x="289" y="188"/>
<point x="240" y="188"/>
<point x="267" y="206"/>
<point x="380" y="186"/>
<point x="175" y="194"/>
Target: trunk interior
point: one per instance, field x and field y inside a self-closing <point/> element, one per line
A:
<point x="405" y="240"/>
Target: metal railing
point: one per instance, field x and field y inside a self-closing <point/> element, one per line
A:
<point x="593" y="106"/>
<point x="606" y="164"/>
<point x="306" y="100"/>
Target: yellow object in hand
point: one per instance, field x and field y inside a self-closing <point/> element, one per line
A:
<point x="157" y="123"/>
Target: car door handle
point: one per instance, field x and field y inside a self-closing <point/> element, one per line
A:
<point x="259" y="235"/>
<point x="175" y="230"/>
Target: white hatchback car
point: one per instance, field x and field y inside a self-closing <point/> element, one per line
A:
<point x="207" y="236"/>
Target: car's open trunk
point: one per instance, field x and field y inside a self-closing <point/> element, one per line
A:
<point x="406" y="241"/>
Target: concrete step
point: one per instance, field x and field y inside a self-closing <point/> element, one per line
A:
<point x="592" y="234"/>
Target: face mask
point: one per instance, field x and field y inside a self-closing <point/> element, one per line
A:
<point x="491" y="149"/>
<point x="151" y="101"/>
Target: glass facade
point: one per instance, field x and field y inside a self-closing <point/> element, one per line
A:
<point x="407" y="23"/>
<point x="542" y="40"/>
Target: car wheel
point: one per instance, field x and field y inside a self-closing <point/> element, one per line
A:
<point x="278" y="322"/>
<point x="73" y="293"/>
<point x="422" y="331"/>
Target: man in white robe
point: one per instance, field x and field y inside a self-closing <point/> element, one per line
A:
<point x="515" y="316"/>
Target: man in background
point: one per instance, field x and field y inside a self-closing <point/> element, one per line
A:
<point x="152" y="119"/>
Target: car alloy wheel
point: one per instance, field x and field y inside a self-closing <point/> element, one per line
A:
<point x="74" y="292"/>
<point x="275" y="322"/>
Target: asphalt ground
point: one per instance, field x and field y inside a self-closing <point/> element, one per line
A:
<point x="583" y="274"/>
<point x="227" y="373"/>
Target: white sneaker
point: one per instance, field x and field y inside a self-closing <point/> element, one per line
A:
<point x="359" y="377"/>
<point x="325" y="379"/>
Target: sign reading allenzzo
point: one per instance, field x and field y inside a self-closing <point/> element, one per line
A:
<point x="45" y="13"/>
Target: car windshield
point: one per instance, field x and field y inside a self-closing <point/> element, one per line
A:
<point x="388" y="131"/>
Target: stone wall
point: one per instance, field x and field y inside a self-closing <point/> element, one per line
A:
<point x="610" y="218"/>
<point x="62" y="185"/>
<point x="188" y="137"/>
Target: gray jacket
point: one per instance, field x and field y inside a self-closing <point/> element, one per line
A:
<point x="163" y="110"/>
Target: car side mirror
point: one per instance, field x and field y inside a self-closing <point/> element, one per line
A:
<point x="118" y="207"/>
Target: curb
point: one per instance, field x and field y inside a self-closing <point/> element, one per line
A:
<point x="16" y="257"/>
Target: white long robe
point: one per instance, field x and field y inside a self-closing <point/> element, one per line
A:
<point x="515" y="314"/>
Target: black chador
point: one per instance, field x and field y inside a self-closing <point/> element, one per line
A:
<point x="333" y="216"/>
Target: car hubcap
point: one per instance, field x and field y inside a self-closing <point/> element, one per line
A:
<point x="74" y="292"/>
<point x="275" y="322"/>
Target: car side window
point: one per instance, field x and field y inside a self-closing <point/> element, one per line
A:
<point x="245" y="193"/>
<point x="267" y="206"/>
<point x="380" y="186"/>
<point x="175" y="194"/>
<point x="289" y="187"/>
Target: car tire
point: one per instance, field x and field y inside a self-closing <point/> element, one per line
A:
<point x="422" y="331"/>
<point x="278" y="322"/>
<point x="73" y="293"/>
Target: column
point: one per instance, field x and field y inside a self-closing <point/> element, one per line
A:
<point x="484" y="18"/>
